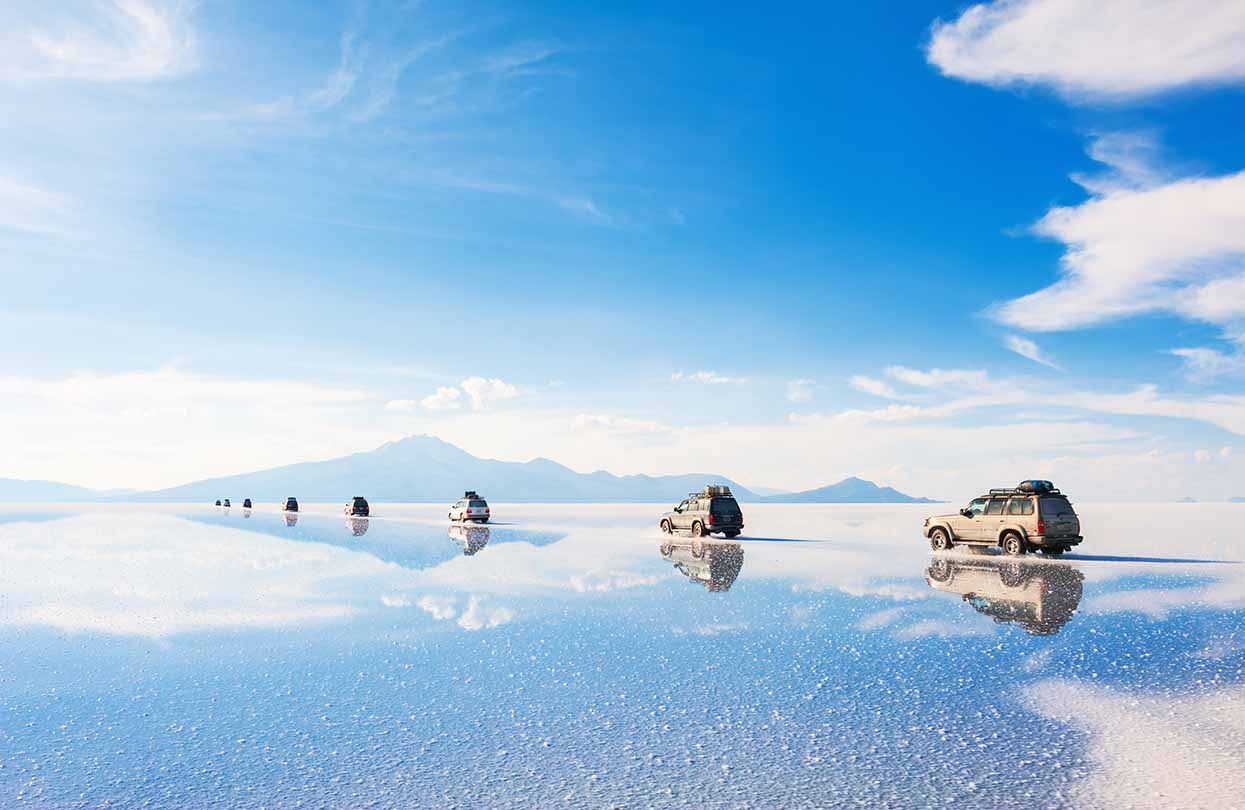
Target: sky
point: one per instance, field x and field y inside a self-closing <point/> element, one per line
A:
<point x="938" y="246"/>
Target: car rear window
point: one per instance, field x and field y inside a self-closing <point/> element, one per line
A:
<point x="477" y="504"/>
<point x="1056" y="506"/>
<point x="724" y="506"/>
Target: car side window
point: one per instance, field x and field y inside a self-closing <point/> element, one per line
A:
<point x="681" y="507"/>
<point x="1016" y="506"/>
<point x="1028" y="507"/>
<point x="996" y="506"/>
<point x="977" y="507"/>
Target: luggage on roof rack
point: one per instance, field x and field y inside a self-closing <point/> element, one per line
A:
<point x="1035" y="486"/>
<point x="717" y="489"/>
<point x="471" y="493"/>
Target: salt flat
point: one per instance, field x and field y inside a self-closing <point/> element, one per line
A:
<point x="186" y="656"/>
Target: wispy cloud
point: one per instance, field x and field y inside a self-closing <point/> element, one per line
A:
<point x="486" y="391"/>
<point x="1027" y="348"/>
<point x="35" y="210"/>
<point x="800" y="390"/>
<point x="1126" y="254"/>
<point x="98" y="40"/>
<point x="874" y="386"/>
<point x="1202" y="364"/>
<point x="707" y="377"/>
<point x="1112" y="49"/>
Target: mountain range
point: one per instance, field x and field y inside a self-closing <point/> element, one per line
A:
<point x="424" y="469"/>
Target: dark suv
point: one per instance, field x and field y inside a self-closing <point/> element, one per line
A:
<point x="291" y="504"/>
<point x="712" y="510"/>
<point x="358" y="507"/>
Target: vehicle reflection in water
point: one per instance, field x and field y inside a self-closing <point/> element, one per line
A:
<point x="246" y="512"/>
<point x="291" y="518"/>
<point x="713" y="564"/>
<point x="469" y="538"/>
<point x="1040" y="597"/>
<point x="357" y="525"/>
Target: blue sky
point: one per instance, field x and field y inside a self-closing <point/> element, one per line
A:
<point x="787" y="248"/>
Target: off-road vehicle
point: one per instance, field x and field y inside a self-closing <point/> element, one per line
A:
<point x="358" y="507"/>
<point x="246" y="503"/>
<point x="713" y="510"/>
<point x="1033" y="515"/>
<point x="470" y="507"/>
<point x="469" y="538"/>
<point x="226" y="503"/>
<point x="711" y="563"/>
<point x="1040" y="597"/>
<point x="291" y="504"/>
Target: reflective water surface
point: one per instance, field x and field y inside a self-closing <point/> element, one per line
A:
<point x="575" y="656"/>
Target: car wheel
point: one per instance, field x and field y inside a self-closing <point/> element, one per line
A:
<point x="667" y="549"/>
<point x="939" y="540"/>
<point x="698" y="530"/>
<point x="1013" y="544"/>
<point x="1012" y="574"/>
<point x="940" y="570"/>
<point x="665" y="527"/>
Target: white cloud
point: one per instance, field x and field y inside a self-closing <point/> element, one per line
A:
<point x="395" y="601"/>
<point x="1027" y="348"/>
<point x="872" y="385"/>
<point x="440" y="607"/>
<point x="938" y="378"/>
<point x="98" y="40"/>
<point x="483" y="391"/>
<point x="478" y="617"/>
<point x="1177" y="246"/>
<point x="800" y="390"/>
<point x="1105" y="49"/>
<point x="35" y="210"/>
<point x="619" y="425"/>
<point x="707" y="377"/>
<point x="445" y="399"/>
<point x="1201" y="364"/>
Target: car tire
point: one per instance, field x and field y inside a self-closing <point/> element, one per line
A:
<point x="1012" y="574"/>
<point x="665" y="527"/>
<point x="1013" y="544"/>
<point x="940" y="570"/>
<point x="698" y="529"/>
<point x="666" y="549"/>
<point x="939" y="539"/>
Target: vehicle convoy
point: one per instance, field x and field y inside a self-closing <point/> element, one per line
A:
<point x="1040" y="597"/>
<point x="470" y="507"/>
<point x="291" y="504"/>
<point x="711" y="563"/>
<point x="357" y="507"/>
<point x="713" y="510"/>
<point x="1028" y="517"/>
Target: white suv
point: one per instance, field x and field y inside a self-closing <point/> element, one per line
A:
<point x="472" y="507"/>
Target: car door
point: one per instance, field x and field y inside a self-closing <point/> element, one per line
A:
<point x="968" y="527"/>
<point x="993" y="519"/>
<point x="682" y="520"/>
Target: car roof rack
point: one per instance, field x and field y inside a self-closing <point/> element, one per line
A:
<point x="1019" y="491"/>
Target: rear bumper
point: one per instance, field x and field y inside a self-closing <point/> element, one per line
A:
<point x="1062" y="540"/>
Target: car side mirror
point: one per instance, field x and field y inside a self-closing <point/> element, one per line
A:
<point x="966" y="512"/>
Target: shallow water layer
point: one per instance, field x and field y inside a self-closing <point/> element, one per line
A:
<point x="575" y="656"/>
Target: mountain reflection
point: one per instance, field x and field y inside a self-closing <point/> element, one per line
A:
<point x="1040" y="597"/>
<point x="713" y="564"/>
<point x="470" y="538"/>
<point x="357" y="525"/>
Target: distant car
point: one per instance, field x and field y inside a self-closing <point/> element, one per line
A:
<point x="471" y="507"/>
<point x="1031" y="516"/>
<point x="218" y="501"/>
<point x="246" y="503"/>
<point x="469" y="538"/>
<point x="226" y="503"/>
<point x="711" y="563"/>
<point x="358" y="507"/>
<point x="714" y="510"/>
<point x="291" y="504"/>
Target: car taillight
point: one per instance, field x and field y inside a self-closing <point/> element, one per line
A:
<point x="709" y="520"/>
<point x="1041" y="526"/>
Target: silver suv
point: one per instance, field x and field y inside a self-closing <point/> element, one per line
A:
<point x="1031" y="516"/>
<point x="703" y="513"/>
